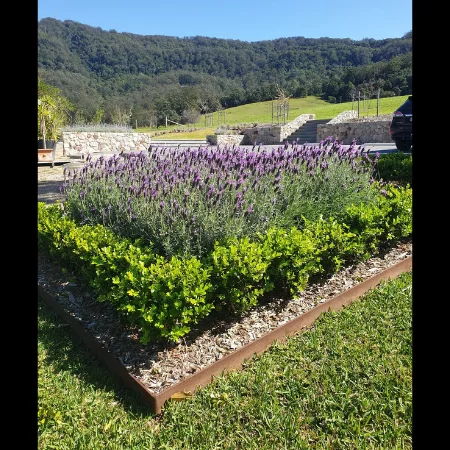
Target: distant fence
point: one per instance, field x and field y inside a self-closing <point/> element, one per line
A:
<point x="364" y="102"/>
<point x="280" y="112"/>
<point x="215" y="118"/>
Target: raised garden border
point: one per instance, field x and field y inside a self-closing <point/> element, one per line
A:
<point x="231" y="361"/>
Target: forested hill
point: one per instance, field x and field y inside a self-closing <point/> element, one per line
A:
<point x="97" y="68"/>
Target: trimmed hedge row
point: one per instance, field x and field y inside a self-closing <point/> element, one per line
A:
<point x="166" y="297"/>
<point x="395" y="167"/>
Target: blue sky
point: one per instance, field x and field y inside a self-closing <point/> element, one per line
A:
<point x="245" y="20"/>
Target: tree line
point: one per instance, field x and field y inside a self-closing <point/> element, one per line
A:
<point x="110" y="76"/>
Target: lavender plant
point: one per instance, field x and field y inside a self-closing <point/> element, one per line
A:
<point x="184" y="200"/>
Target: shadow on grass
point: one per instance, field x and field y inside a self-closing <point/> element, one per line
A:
<point x="50" y="191"/>
<point x="67" y="353"/>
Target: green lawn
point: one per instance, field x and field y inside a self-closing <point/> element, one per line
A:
<point x="261" y="112"/>
<point x="344" y="384"/>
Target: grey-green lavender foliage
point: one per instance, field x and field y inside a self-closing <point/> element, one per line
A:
<point x="183" y="201"/>
<point x="99" y="127"/>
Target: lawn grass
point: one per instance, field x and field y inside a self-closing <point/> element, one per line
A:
<point x="261" y="113"/>
<point x="344" y="384"/>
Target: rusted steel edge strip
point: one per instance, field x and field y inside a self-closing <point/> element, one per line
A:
<point x="113" y="364"/>
<point x="235" y="359"/>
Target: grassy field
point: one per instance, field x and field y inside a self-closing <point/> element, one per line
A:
<point x="262" y="113"/>
<point x="344" y="384"/>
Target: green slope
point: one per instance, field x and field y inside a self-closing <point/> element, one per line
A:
<point x="262" y="112"/>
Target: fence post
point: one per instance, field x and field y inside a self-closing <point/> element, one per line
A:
<point x="359" y="99"/>
<point x="378" y="101"/>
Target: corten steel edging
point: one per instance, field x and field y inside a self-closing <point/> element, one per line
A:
<point x="113" y="364"/>
<point x="235" y="359"/>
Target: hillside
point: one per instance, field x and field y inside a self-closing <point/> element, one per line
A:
<point x="151" y="77"/>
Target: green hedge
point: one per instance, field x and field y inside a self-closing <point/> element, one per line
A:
<point x="396" y="167"/>
<point x="166" y="297"/>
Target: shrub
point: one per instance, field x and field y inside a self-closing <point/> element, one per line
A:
<point x="171" y="236"/>
<point x="183" y="201"/>
<point x="166" y="296"/>
<point x="384" y="221"/>
<point x="99" y="127"/>
<point x="394" y="167"/>
<point x="163" y="297"/>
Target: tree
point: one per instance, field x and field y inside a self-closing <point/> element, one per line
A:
<point x="53" y="111"/>
<point x="121" y="116"/>
<point x="190" y="116"/>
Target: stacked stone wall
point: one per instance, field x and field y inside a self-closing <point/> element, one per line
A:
<point x="80" y="143"/>
<point x="347" y="127"/>
<point x="274" y="134"/>
<point x="344" y="116"/>
<point x="225" y="139"/>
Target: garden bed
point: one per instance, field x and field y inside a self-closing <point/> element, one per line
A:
<point x="157" y="372"/>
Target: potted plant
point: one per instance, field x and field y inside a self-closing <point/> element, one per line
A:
<point x="52" y="112"/>
<point x="47" y="129"/>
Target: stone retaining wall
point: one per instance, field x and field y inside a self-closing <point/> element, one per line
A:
<point x="79" y="143"/>
<point x="347" y="127"/>
<point x="225" y="139"/>
<point x="274" y="134"/>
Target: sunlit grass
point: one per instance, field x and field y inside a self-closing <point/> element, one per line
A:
<point x="265" y="113"/>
